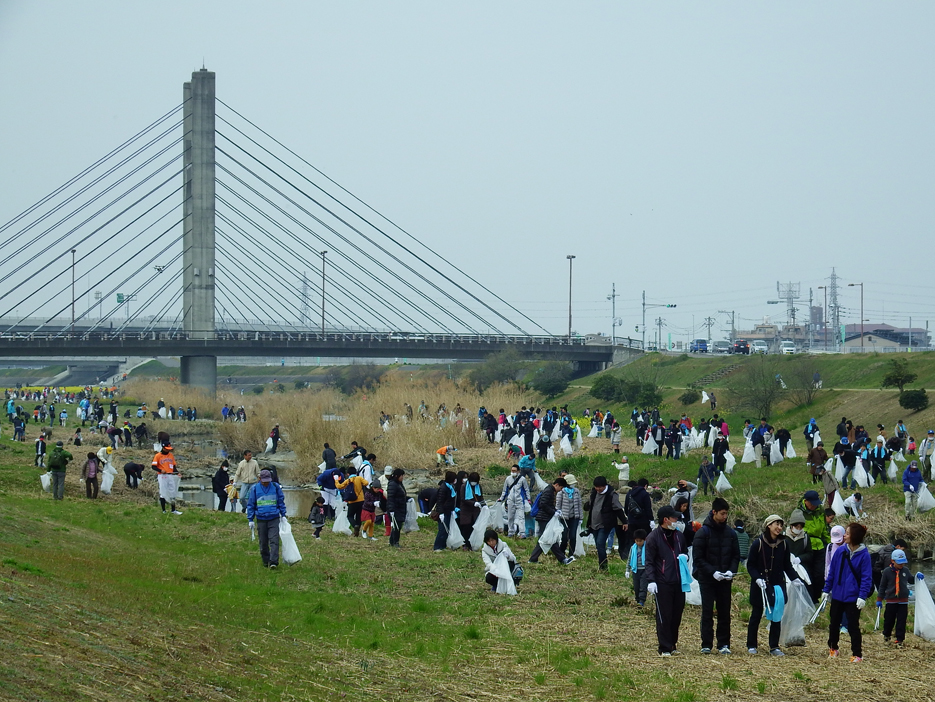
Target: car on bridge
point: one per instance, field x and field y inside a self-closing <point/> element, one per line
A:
<point x="699" y="346"/>
<point x="741" y="346"/>
<point x="720" y="347"/>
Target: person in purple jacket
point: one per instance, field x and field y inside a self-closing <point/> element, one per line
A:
<point x="849" y="582"/>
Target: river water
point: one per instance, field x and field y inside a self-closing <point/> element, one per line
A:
<point x="298" y="500"/>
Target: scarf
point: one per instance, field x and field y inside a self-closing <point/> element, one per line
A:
<point x="896" y="571"/>
<point x="569" y="491"/>
<point x="469" y="493"/>
<point x="684" y="575"/>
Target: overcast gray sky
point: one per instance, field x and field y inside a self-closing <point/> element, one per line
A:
<point x="700" y="151"/>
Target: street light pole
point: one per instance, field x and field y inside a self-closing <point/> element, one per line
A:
<point x="323" y="253"/>
<point x="824" y="315"/>
<point x="854" y="285"/>
<point x="570" y="259"/>
<point x="613" y="314"/>
<point x="73" y="289"/>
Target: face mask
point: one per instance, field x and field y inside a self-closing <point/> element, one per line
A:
<point x="670" y="527"/>
<point x="473" y="484"/>
<point x="796" y="530"/>
<point x="514" y="474"/>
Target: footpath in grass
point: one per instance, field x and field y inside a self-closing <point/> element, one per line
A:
<point x="111" y="599"/>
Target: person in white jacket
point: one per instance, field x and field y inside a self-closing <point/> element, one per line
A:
<point x="515" y="496"/>
<point x="493" y="547"/>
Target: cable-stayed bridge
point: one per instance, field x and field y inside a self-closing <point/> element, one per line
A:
<point x="267" y="256"/>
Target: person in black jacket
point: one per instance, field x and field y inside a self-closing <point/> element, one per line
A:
<point x="663" y="578"/>
<point x="716" y="554"/>
<point x="768" y="562"/>
<point x="219" y="484"/>
<point x="396" y="499"/>
<point x="445" y="507"/>
<point x="783" y="437"/>
<point x="329" y="458"/>
<point x="604" y="511"/>
<point x="546" y="508"/>
<point x="659" y="436"/>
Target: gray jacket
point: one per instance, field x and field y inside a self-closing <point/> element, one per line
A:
<point x="569" y="507"/>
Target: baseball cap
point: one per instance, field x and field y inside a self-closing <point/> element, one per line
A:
<point x="899" y="556"/>
<point x="265" y="476"/>
<point x="812" y="496"/>
<point x="837" y="534"/>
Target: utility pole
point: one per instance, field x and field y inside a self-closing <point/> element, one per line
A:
<point x="708" y="322"/>
<point x="570" y="260"/>
<point x="835" y="308"/>
<point x="659" y="322"/>
<point x="811" y="326"/>
<point x="613" y="314"/>
<point x="732" y="314"/>
<point x="644" y="317"/>
<point x="854" y="285"/>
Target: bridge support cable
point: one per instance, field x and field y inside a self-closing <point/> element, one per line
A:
<point x="335" y="283"/>
<point x="363" y="251"/>
<point x="250" y="272"/>
<point x="93" y="199"/>
<point x="234" y="300"/>
<point x="246" y="255"/>
<point x="91" y="254"/>
<point x="349" y="275"/>
<point x="58" y="243"/>
<point x="152" y="298"/>
<point x="379" y="264"/>
<point x="90" y="169"/>
<point x="120" y="284"/>
<point x="422" y="244"/>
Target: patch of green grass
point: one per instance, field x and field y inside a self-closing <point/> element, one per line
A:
<point x="24" y="567"/>
<point x="728" y="682"/>
<point x="472" y="633"/>
<point x="761" y="687"/>
<point x="539" y="678"/>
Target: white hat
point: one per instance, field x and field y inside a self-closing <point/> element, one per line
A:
<point x="388" y="470"/>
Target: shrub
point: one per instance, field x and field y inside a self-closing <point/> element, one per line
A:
<point x="258" y="390"/>
<point x="899" y="375"/>
<point x="690" y="397"/>
<point x="915" y="400"/>
<point x="552" y="379"/>
<point x="606" y="388"/>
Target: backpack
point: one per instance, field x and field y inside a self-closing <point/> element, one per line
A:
<point x="57" y="459"/>
<point x="348" y="493"/>
<point x="535" y="506"/>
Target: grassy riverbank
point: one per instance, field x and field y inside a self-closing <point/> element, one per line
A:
<point x="112" y="600"/>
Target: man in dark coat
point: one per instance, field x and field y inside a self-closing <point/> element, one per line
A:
<point x="716" y="558"/>
<point x="545" y="503"/>
<point x="604" y="513"/>
<point x="663" y="580"/>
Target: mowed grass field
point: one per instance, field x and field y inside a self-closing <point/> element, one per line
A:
<point x="112" y="600"/>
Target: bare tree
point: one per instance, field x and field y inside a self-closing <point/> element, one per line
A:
<point x="757" y="387"/>
<point x="800" y="377"/>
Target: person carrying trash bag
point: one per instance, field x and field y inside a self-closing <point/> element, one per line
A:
<point x="445" y="510"/>
<point x="604" y="511"/>
<point x="494" y="548"/>
<point x="266" y="505"/>
<point x="664" y="578"/>
<point x="58" y="463"/>
<point x="849" y="583"/>
<point x="545" y="510"/>
<point x="768" y="563"/>
<point x="912" y="479"/>
<point x="167" y="474"/>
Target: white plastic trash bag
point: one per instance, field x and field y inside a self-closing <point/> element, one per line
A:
<point x="579" y="547"/>
<point x="107" y="483"/>
<point x="556" y="433"/>
<point x="269" y="445"/>
<point x="837" y="504"/>
<point x="860" y="474"/>
<point x="499" y="518"/>
<point x="550" y="456"/>
<point x="501" y="571"/>
<point x="893" y="472"/>
<point x="795" y="615"/>
<point x="704" y="397"/>
<point x="455" y="540"/>
<point x="162" y="412"/>
<point x="552" y="533"/>
<point x="790" y="451"/>
<point x="749" y="453"/>
<point x="289" y="551"/>
<point x="46" y="480"/>
<point x="540" y="483"/>
<point x="357" y="461"/>
<point x="723" y="484"/>
<point x="731" y="462"/>
<point x="650" y="446"/>
<point x="839" y="470"/>
<point x="322" y="467"/>
<point x="342" y="524"/>
<point x="566" y="446"/>
<point x="898" y="456"/>
<point x="926" y="501"/>
<point x="816" y="437"/>
<point x="775" y="454"/>
<point x="925" y="611"/>
<point x="412" y="517"/>
<point x="578" y="441"/>
<point x="593" y="433"/>
<point x="157" y="447"/>
<point x="480" y="526"/>
<point x="693" y="596"/>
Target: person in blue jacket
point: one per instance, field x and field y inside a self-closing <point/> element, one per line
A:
<point x="912" y="478"/>
<point x="267" y="505"/>
<point x="849" y="583"/>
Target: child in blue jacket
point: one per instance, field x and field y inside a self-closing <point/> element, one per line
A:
<point x="636" y="566"/>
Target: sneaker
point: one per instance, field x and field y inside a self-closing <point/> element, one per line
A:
<point x="665" y="654"/>
<point x="532" y="561"/>
<point x="856" y="659"/>
<point x="886" y="639"/>
<point x="374" y="538"/>
<point x="175" y="511"/>
<point x="705" y="650"/>
<point x="570" y="559"/>
<point x="833" y="653"/>
<point x="724" y="650"/>
<point x="640" y="604"/>
<point x="776" y="652"/>
<point x="897" y="644"/>
<point x="752" y="651"/>
<point x="439" y="550"/>
<point x="272" y="566"/>
<point x="317" y="538"/>
<point x="493" y="588"/>
<point x="676" y="652"/>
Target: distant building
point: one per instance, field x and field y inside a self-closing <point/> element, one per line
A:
<point x="873" y="343"/>
<point x="888" y="335"/>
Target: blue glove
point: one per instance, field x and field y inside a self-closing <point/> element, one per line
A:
<point x="920" y="576"/>
<point x="879" y="604"/>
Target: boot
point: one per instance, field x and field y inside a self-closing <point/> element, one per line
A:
<point x="356" y="531"/>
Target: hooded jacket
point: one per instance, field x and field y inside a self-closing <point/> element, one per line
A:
<point x="715" y="548"/>
<point x="663" y="547"/>
<point x="851" y="575"/>
<point x="772" y="563"/>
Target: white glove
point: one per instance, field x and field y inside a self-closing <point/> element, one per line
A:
<point x="628" y="574"/>
<point x="911" y="489"/>
<point x="728" y="575"/>
<point x="652" y="588"/>
<point x="652" y="524"/>
<point x="795" y="560"/>
<point x="761" y="583"/>
<point x="824" y="597"/>
<point x="477" y="504"/>
<point x="719" y="576"/>
<point x="861" y="602"/>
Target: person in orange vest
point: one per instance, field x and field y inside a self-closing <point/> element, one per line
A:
<point x="445" y="453"/>
<point x="167" y="473"/>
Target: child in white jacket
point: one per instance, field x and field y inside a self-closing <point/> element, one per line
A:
<point x="493" y="547"/>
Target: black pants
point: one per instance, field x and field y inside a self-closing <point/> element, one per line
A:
<point x="670" y="603"/>
<point x="222" y="501"/>
<point x="879" y="473"/>
<point x="659" y="446"/>
<point x="353" y="513"/>
<point x="715" y="595"/>
<point x="838" y="609"/>
<point x="397" y="519"/>
<point x="756" y="615"/>
<point x="816" y="571"/>
<point x="895" y="614"/>
<point x="556" y="548"/>
<point x="492" y="579"/>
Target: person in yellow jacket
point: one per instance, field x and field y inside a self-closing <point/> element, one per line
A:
<point x="355" y="505"/>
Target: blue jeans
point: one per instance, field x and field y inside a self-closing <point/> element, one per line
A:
<point x="600" y="540"/>
<point x="444" y="523"/>
<point x="847" y="472"/>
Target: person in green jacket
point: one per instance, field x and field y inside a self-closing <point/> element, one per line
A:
<point x="58" y="463"/>
<point x="819" y="533"/>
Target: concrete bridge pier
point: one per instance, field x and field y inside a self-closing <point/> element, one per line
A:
<point x="200" y="372"/>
